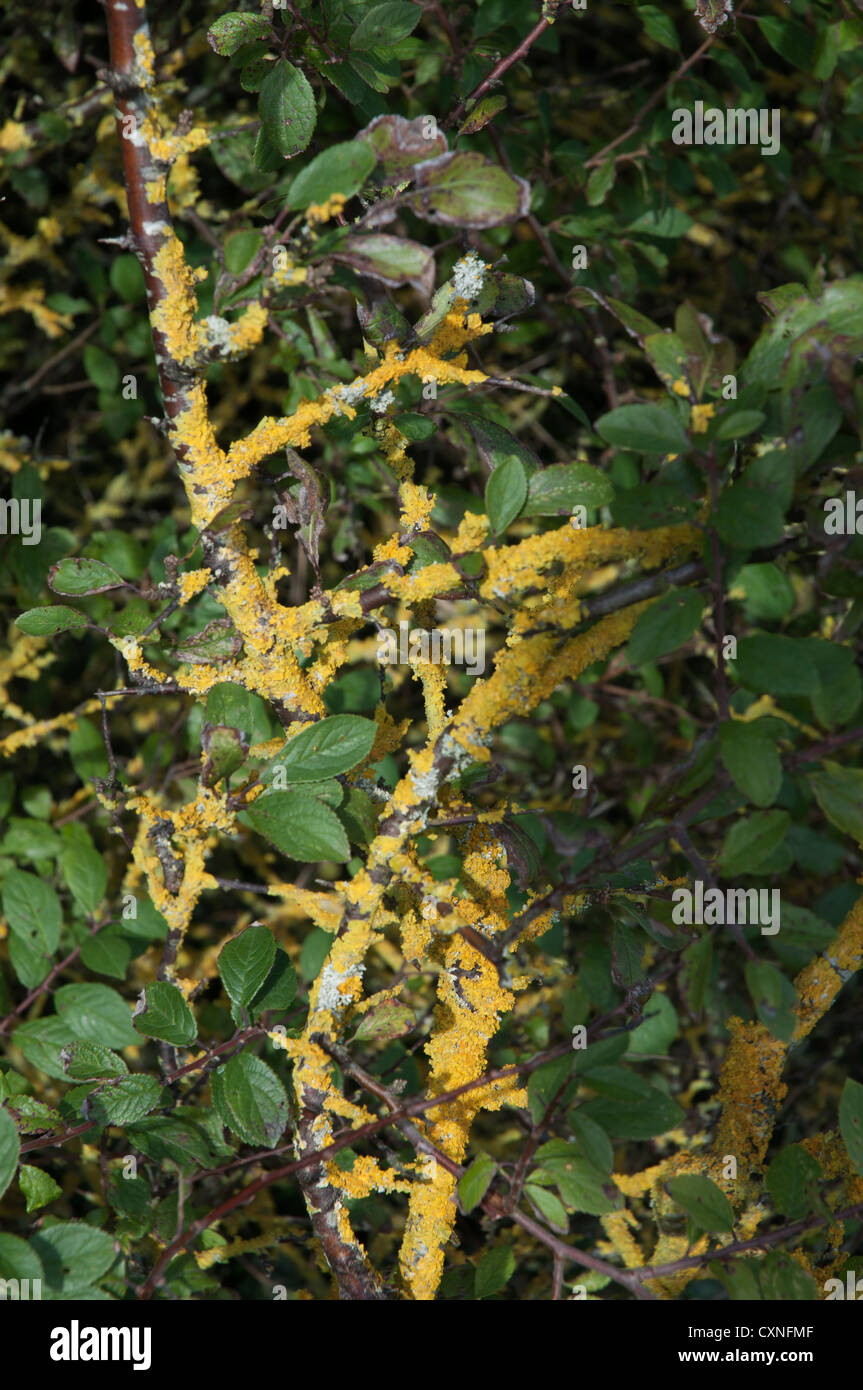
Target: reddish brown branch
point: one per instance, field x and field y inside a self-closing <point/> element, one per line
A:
<point x="501" y="67"/>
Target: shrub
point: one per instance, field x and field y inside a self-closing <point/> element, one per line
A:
<point x="432" y="704"/>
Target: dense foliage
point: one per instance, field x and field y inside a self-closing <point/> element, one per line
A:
<point x="432" y="800"/>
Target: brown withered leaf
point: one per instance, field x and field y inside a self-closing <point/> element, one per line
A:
<point x="305" y="505"/>
<point x="400" y="144"/>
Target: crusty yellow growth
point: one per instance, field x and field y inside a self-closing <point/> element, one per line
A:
<point x="366" y="1177"/>
<point x="818" y="984"/>
<point x="751" y="1087"/>
<point x="467" y="1017"/>
<point x="701" y="415"/>
<point x="434" y="362"/>
<point x="175" y="315"/>
<point x="521" y="567"/>
<point x="167" y="148"/>
<point x="618" y="1226"/>
<point x="187" y="834"/>
<point x="192" y="583"/>
<point x="750" y="1091"/>
<point x="528" y="673"/>
<point x="144" y="66"/>
<point x="13" y="136"/>
<point x="318" y="213"/>
<point x="30" y="299"/>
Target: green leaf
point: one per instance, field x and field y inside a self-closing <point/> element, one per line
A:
<point x="670" y="223"/>
<point x="39" y="1189"/>
<point x="41" y="1042"/>
<point x="563" y="486"/>
<point x="545" y="1083"/>
<point x="665" y="626"/>
<point x="793" y="1179"/>
<point x="636" y="1119"/>
<point x="224" y="749"/>
<point x="44" y="622"/>
<point x="279" y="988"/>
<point x="386" y="1021"/>
<point x="627" y="950"/>
<point x="704" y="1203"/>
<point x="218" y="641"/>
<point x="33" y="911"/>
<point x="474" y="1182"/>
<point x="789" y="38"/>
<point x="549" y="1207"/>
<point x="659" y="1028"/>
<point x="359" y="817"/>
<point x="582" y="1187"/>
<point x="505" y="493"/>
<point x="107" y="953"/>
<point x="851" y="1122"/>
<point x="479" y="115"/>
<point x="245" y="962"/>
<point x="127" y="279"/>
<point x="495" y="445"/>
<point x="96" y="1013"/>
<point x="646" y="429"/>
<point x="86" y="875"/>
<point x="177" y="1138"/>
<point x="767" y="593"/>
<point x="749" y="518"/>
<point x="87" y="1061"/>
<point x="738" y="423"/>
<point x="386" y="24"/>
<point x="300" y="826"/>
<point x="659" y="26"/>
<point x="79" y="577"/>
<point x="774" y="998"/>
<point x="839" y="792"/>
<point x="30" y="839"/>
<point x="326" y="749"/>
<point x="18" y="1260"/>
<point x="751" y="841"/>
<point x="592" y="1140"/>
<point x="286" y="106"/>
<point x="776" y="665"/>
<point x="166" y="1015"/>
<point x="74" y="1255"/>
<point x="251" y="1100"/>
<point x="234" y="707"/>
<point x="467" y="191"/>
<point x="494" y="1271"/>
<point x="230" y="31"/>
<point x="339" y="169"/>
<point x="87" y="751"/>
<point x="600" y="183"/>
<point x="648" y="505"/>
<point x="102" y="369"/>
<point x="618" y="1082"/>
<point x="126" y="1100"/>
<point x="241" y="248"/>
<point x="10" y="1148"/>
<point x="394" y="261"/>
<point x="783" y="1280"/>
<point x="752" y="759"/>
